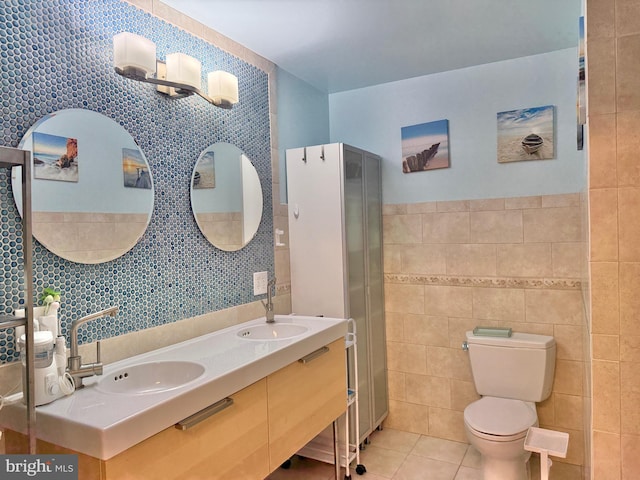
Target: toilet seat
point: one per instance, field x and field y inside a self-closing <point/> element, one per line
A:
<point x="492" y="417"/>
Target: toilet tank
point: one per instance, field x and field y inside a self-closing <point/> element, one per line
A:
<point x="519" y="367"/>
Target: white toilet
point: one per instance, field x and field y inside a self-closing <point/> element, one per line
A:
<point x="511" y="374"/>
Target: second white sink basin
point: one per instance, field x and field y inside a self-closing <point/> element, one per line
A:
<point x="152" y="377"/>
<point x="275" y="331"/>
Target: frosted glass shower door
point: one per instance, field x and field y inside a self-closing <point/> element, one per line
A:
<point x="354" y="215"/>
<point x="376" y="334"/>
<point x="335" y="237"/>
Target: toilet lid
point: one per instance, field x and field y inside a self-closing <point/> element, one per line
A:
<point x="500" y="416"/>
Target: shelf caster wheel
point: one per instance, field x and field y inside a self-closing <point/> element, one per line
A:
<point x="347" y="477"/>
<point x="286" y="465"/>
<point x="360" y="470"/>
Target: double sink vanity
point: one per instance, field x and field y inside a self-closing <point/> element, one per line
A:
<point x="235" y="403"/>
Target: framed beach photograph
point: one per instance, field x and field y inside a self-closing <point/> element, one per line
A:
<point x="526" y="134"/>
<point x="425" y="146"/>
<point x="581" y="106"/>
<point x="582" y="87"/>
<point x="205" y="172"/>
<point x="135" y="169"/>
<point x="55" y="157"/>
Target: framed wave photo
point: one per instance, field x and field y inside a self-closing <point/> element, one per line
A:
<point x="55" y="157"/>
<point x="425" y="146"/>
<point x="526" y="134"/>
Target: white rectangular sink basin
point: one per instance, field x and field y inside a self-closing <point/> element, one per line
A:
<point x="160" y="388"/>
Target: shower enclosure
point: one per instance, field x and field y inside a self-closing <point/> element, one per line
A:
<point x="335" y="234"/>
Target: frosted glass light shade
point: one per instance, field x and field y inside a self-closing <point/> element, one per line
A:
<point x="182" y="68"/>
<point x="133" y="52"/>
<point x="222" y="87"/>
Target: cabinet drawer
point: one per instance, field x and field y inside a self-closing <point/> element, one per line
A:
<point x="231" y="444"/>
<point x="303" y="399"/>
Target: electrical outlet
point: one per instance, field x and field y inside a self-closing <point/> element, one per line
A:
<point x="260" y="280"/>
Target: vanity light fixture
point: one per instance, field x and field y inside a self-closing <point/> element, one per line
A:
<point x="180" y="76"/>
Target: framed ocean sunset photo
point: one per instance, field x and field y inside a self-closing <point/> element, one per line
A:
<point x="135" y="169"/>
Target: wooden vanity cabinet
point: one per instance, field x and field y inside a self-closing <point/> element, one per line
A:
<point x="304" y="397"/>
<point x="268" y="422"/>
<point x="230" y="444"/>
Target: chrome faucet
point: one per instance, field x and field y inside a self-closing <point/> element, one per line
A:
<point x="74" y="364"/>
<point x="271" y="286"/>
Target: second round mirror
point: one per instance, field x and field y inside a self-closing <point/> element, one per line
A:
<point x="226" y="196"/>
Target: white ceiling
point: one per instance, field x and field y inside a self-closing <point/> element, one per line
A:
<point x="339" y="45"/>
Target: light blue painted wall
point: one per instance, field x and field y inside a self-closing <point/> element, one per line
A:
<point x="303" y="118"/>
<point x="371" y="118"/>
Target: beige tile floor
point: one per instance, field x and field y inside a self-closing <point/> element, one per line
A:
<point x="396" y="455"/>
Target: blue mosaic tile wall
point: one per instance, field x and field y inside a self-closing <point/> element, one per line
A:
<point x="57" y="54"/>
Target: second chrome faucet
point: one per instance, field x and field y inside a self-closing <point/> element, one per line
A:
<point x="268" y="306"/>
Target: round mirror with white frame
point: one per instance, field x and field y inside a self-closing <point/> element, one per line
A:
<point x="92" y="190"/>
<point x="226" y="196"/>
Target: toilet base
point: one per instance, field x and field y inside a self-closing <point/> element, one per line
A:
<point x="499" y="469"/>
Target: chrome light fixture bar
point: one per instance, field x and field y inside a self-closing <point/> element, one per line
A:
<point x="180" y="76"/>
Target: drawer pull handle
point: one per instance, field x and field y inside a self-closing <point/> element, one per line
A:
<point x="204" y="414"/>
<point x="314" y="355"/>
